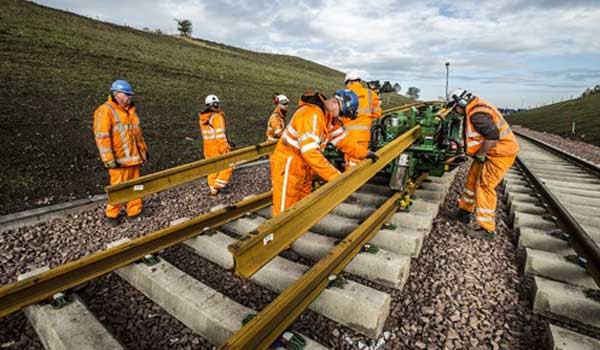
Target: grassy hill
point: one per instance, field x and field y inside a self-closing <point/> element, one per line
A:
<point x="557" y="118"/>
<point x="56" y="68"/>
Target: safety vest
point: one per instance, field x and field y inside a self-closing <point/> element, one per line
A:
<point x="507" y="143"/>
<point x="275" y="125"/>
<point x="369" y="108"/>
<point x="118" y="134"/>
<point x="212" y="126"/>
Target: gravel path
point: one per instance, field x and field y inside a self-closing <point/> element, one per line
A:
<point x="70" y="238"/>
<point x="582" y="149"/>
<point x="462" y="293"/>
<point x="465" y="293"/>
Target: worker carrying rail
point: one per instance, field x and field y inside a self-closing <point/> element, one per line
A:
<point x="276" y="121"/>
<point x="120" y="143"/>
<point x="492" y="144"/>
<point x="369" y="108"/>
<point x="297" y="156"/>
<point x="215" y="142"/>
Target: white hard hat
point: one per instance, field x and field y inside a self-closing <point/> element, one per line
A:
<point x="281" y="99"/>
<point x="351" y="76"/>
<point x="210" y="99"/>
<point x="459" y="97"/>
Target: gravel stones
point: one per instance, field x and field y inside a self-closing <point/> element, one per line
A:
<point x="65" y="239"/>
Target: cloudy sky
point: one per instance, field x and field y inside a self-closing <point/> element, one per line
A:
<point x="512" y="52"/>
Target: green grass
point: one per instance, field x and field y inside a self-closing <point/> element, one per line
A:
<point x="557" y="118"/>
<point x="56" y="68"/>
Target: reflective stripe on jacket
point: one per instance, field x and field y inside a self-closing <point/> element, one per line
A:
<point x="307" y="134"/>
<point x="275" y="125"/>
<point x="507" y="143"/>
<point x="212" y="128"/>
<point x="369" y="108"/>
<point x="118" y="134"/>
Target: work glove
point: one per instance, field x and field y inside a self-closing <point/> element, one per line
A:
<point x="146" y="156"/>
<point x="372" y="156"/>
<point x="111" y="164"/>
<point x="480" y="157"/>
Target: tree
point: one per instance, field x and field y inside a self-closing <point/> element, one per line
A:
<point x="184" y="26"/>
<point x="413" y="92"/>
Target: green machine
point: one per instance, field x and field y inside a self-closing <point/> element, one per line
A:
<point x="440" y="148"/>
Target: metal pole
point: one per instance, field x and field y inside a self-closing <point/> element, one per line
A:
<point x="447" y="74"/>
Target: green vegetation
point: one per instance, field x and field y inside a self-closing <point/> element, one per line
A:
<point x="56" y="68"/>
<point x="558" y="118"/>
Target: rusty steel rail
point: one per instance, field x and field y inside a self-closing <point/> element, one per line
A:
<point x="258" y="247"/>
<point x="37" y="288"/>
<point x="260" y="332"/>
<point x="173" y="177"/>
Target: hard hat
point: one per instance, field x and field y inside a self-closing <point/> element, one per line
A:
<point x="210" y="99"/>
<point x="351" y="76"/>
<point x="348" y="103"/>
<point x="279" y="98"/>
<point x="122" y="86"/>
<point x="459" y="97"/>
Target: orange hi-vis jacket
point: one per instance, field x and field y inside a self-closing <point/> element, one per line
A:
<point x="212" y="127"/>
<point x="118" y="134"/>
<point x="275" y="125"/>
<point x="308" y="133"/>
<point x="369" y="108"/>
<point x="507" y="143"/>
<point x="297" y="156"/>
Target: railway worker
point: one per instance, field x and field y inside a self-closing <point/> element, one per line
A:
<point x="276" y="121"/>
<point x="369" y="108"/>
<point x="492" y="144"/>
<point x="297" y="156"/>
<point x="120" y="143"/>
<point x="214" y="139"/>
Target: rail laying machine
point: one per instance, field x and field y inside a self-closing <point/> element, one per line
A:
<point x="439" y="149"/>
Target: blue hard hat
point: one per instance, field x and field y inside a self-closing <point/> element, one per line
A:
<point x="122" y="86"/>
<point x="349" y="102"/>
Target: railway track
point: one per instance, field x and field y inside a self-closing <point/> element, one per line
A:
<point x="554" y="201"/>
<point x="345" y="232"/>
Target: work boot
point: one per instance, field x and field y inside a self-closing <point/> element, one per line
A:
<point x="460" y="215"/>
<point x="213" y="191"/>
<point x="113" y="222"/>
<point x="480" y="232"/>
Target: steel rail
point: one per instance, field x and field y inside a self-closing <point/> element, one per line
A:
<point x="581" y="239"/>
<point x="172" y="177"/>
<point x="580" y="162"/>
<point x="36" y="288"/>
<point x="261" y="245"/>
<point x="260" y="332"/>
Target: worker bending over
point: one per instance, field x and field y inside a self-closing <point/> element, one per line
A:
<point x="276" y="121"/>
<point x="369" y="108"/>
<point x="120" y="143"/>
<point x="492" y="144"/>
<point x="297" y="156"/>
<point x="212" y="126"/>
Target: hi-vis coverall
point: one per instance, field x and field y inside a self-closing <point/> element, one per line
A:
<point x="297" y="156"/>
<point x="212" y="126"/>
<point x="275" y="125"/>
<point x="369" y="108"/>
<point x="479" y="195"/>
<point x="119" y="138"/>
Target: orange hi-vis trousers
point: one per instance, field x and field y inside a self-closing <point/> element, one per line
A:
<point x="479" y="195"/>
<point x="219" y="179"/>
<point x="118" y="175"/>
<point x="292" y="180"/>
